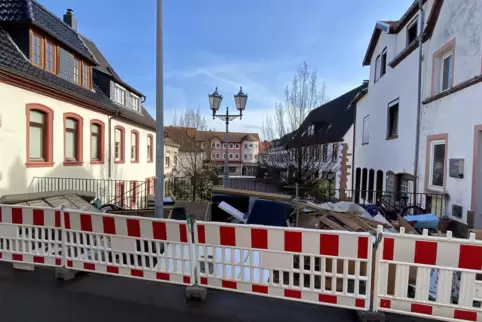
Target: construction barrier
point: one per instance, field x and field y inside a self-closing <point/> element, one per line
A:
<point x="322" y="267"/>
<point x="30" y="235"/>
<point x="135" y="247"/>
<point x="429" y="277"/>
<point x="415" y="275"/>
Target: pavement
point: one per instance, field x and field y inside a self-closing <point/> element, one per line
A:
<point x="38" y="296"/>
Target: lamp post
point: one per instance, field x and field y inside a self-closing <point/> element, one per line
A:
<point x="240" y="100"/>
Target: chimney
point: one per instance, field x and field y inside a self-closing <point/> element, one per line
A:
<point x="70" y="19"/>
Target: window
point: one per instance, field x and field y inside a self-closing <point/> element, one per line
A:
<point x="85" y="75"/>
<point x="383" y="66"/>
<point x="245" y="146"/>
<point x="412" y="31"/>
<point x="76" y="70"/>
<point x="447" y="65"/>
<point x="119" y="144"/>
<point x="325" y="152"/>
<point x="251" y="157"/>
<point x="134" y="146"/>
<point x="230" y="156"/>
<point x="175" y="161"/>
<point x="39" y="136"/>
<point x="218" y="156"/>
<point x="96" y="142"/>
<point x="245" y="156"/>
<point x="231" y="146"/>
<point x="73" y="139"/>
<point x="119" y="94"/>
<point x="334" y="154"/>
<point x="167" y="162"/>
<point x="213" y="155"/>
<point x="224" y="156"/>
<point x="377" y="68"/>
<point x="437" y="165"/>
<point x="237" y="146"/>
<point x="366" y="130"/>
<point x="135" y="102"/>
<point x="49" y="56"/>
<point x="213" y="144"/>
<point x="311" y="130"/>
<point x="392" y="124"/>
<point x="237" y="156"/>
<point x="150" y="144"/>
<point x="390" y="184"/>
<point x="250" y="146"/>
<point x="37" y="49"/>
<point x="218" y="145"/>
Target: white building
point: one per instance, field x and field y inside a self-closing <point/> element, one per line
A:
<point x="65" y="112"/>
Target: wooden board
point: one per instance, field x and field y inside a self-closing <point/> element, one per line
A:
<point x="254" y="194"/>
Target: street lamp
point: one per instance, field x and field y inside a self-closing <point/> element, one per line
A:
<point x="215" y="100"/>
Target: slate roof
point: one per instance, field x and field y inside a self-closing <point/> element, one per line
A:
<point x="30" y="11"/>
<point x="184" y="138"/>
<point x="13" y="61"/>
<point x="332" y="120"/>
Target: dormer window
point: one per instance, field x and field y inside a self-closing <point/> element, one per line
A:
<point x="119" y="94"/>
<point x="76" y="70"/>
<point x="412" y="31"/>
<point x="36" y="49"/>
<point x="85" y="75"/>
<point x="50" y="56"/>
<point x="135" y="102"/>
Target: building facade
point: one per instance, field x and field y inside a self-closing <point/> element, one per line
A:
<point x="65" y="111"/>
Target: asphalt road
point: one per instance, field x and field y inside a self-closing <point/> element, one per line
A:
<point x="38" y="296"/>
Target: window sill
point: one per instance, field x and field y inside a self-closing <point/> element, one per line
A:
<point x="134" y="161"/>
<point x="365" y="143"/>
<point x="39" y="164"/>
<point x="435" y="190"/>
<point x="119" y="162"/>
<point x="393" y="137"/>
<point x="96" y="162"/>
<point x="150" y="161"/>
<point x="73" y="163"/>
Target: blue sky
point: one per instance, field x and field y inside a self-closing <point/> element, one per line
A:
<point x="257" y="44"/>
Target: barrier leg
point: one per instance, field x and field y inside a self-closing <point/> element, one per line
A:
<point x="65" y="274"/>
<point x="370" y="316"/>
<point x="194" y="292"/>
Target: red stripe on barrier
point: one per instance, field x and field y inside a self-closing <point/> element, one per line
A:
<point x="470" y="257"/>
<point x="112" y="269"/>
<point x="70" y="263"/>
<point x="259" y="289"/>
<point x="137" y="272"/>
<point x="360" y="303"/>
<point x="67" y="220"/>
<point x="388" y="248"/>
<point x="201" y="234"/>
<point x="85" y="222"/>
<point x="227" y="236"/>
<point x="17" y="217"/>
<point x="465" y="315"/>
<point x="1" y="255"/>
<point x="1" y="215"/>
<point x="421" y="309"/>
<point x="294" y="294"/>
<point x="38" y="259"/>
<point x="109" y="225"/>
<point x="38" y="217"/>
<point x="186" y="279"/>
<point x="293" y="241"/>
<point x="229" y="284"/>
<point x="204" y="281"/>
<point x="159" y="230"/>
<point x="58" y="261"/>
<point x="425" y="252"/>
<point x="386" y="304"/>
<point x="89" y="266"/>
<point x="163" y="276"/>
<point x="133" y="228"/>
<point x="329" y="244"/>
<point x="17" y="257"/>
<point x="58" y="222"/>
<point x="362" y="248"/>
<point x="330" y="299"/>
<point x="183" y="233"/>
<point x="259" y="238"/>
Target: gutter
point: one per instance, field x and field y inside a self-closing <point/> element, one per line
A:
<point x="109" y="149"/>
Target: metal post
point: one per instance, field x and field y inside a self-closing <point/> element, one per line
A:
<point x="159" y="194"/>
<point x="226" y="172"/>
<point x="419" y="96"/>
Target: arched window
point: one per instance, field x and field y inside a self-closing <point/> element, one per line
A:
<point x="150" y="148"/>
<point x="119" y="144"/>
<point x="371" y="184"/>
<point x="364" y="186"/>
<point x="134" y="146"/>
<point x="39" y="136"/>
<point x="73" y="139"/>
<point x="97" y="142"/>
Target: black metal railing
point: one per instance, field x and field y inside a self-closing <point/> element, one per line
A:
<point x="128" y="194"/>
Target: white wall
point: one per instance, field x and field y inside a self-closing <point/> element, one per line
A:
<point x="16" y="178"/>
<point x="456" y="114"/>
<point x="249" y="148"/>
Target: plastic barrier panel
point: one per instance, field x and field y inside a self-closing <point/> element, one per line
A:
<point x="429" y="277"/>
<point x="30" y="235"/>
<point x="135" y="247"/>
<point x="323" y="267"/>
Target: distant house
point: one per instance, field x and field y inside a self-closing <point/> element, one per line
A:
<point x="65" y="111"/>
<point x="190" y="155"/>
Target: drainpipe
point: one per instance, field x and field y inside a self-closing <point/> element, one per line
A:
<point x="109" y="149"/>
<point x="419" y="97"/>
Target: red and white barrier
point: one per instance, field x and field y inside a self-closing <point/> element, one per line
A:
<point x="135" y="247"/>
<point x="287" y="263"/>
<point x="436" y="264"/>
<point x="30" y="235"/>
